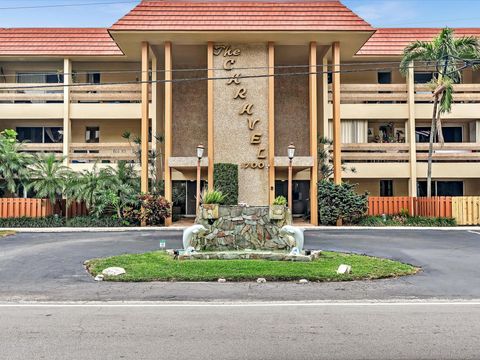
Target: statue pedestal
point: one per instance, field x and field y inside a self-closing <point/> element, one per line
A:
<point x="243" y="227"/>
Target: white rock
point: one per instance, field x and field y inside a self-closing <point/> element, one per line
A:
<point x="261" y="280"/>
<point x="99" y="277"/>
<point x="344" y="269"/>
<point x="303" y="281"/>
<point x="113" y="271"/>
<point x="221" y="280"/>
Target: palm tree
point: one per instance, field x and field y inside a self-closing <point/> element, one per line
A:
<point x="48" y="177"/>
<point x="444" y="52"/>
<point x="13" y="162"/>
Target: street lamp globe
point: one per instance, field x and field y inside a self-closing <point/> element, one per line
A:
<point x="200" y="150"/>
<point x="291" y="151"/>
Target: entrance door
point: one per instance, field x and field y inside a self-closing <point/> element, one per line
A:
<point x="301" y="195"/>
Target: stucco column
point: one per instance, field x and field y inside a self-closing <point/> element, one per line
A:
<point x="67" y="124"/>
<point x="168" y="123"/>
<point x="313" y="133"/>
<point x="412" y="149"/>
<point x="145" y="116"/>
<point x="157" y="127"/>
<point x="337" y="136"/>
<point x="210" y="124"/>
<point x="271" y="122"/>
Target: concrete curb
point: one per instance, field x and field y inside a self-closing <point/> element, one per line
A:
<point x="181" y="228"/>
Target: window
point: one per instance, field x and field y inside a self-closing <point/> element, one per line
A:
<point x="386" y="187"/>
<point x="451" y="134"/>
<point x="92" y="134"/>
<point x="384" y="77"/>
<point x="422" y="77"/>
<point x="93" y="78"/>
<point x="441" y="188"/>
<point x="40" y="134"/>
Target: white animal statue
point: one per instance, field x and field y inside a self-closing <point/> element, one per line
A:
<point x="188" y="233"/>
<point x="296" y="233"/>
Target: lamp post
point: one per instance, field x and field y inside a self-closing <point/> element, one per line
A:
<point x="291" y="155"/>
<point x="200" y="150"/>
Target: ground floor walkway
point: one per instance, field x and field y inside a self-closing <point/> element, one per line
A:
<point x="49" y="267"/>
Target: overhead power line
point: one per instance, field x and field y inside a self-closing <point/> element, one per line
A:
<point x="67" y="5"/>
<point x="61" y="85"/>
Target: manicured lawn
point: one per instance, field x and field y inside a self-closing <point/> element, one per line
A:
<point x="158" y="266"/>
<point x="6" y="233"/>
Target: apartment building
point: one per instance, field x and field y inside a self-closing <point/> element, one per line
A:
<point x="245" y="79"/>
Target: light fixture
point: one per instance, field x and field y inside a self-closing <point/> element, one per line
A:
<point x="291" y="151"/>
<point x="200" y="150"/>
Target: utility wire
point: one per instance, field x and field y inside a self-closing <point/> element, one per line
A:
<point x="67" y="5"/>
<point x="426" y="64"/>
<point x="60" y="85"/>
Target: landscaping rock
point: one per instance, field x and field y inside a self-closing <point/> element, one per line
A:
<point x="113" y="271"/>
<point x="261" y="280"/>
<point x="221" y="280"/>
<point x="303" y="281"/>
<point x="344" y="269"/>
<point x="99" y="277"/>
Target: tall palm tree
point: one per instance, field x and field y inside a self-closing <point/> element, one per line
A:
<point x="444" y="53"/>
<point x="48" y="177"/>
<point x="13" y="162"/>
<point x="84" y="187"/>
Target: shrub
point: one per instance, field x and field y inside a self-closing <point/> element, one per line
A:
<point x="28" y="222"/>
<point x="226" y="180"/>
<point x="397" y="220"/>
<point x="340" y="202"/>
<point x="93" y="221"/>
<point x="213" y="197"/>
<point x="280" y="200"/>
<point x="154" y="209"/>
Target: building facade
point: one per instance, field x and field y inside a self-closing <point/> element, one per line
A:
<point x="245" y="79"/>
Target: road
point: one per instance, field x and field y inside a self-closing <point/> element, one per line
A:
<point x="255" y="331"/>
<point x="49" y="267"/>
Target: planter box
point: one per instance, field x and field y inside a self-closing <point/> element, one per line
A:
<point x="210" y="211"/>
<point x="277" y="212"/>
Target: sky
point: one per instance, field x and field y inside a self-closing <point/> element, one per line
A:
<point x="380" y="13"/>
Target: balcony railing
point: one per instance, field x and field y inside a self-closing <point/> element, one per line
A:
<point x="30" y="93"/>
<point x="371" y="93"/>
<point x="463" y="93"/>
<point x="126" y="93"/>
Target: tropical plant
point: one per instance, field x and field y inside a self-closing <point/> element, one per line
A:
<point x="280" y="200"/>
<point x="13" y="162"/>
<point x="154" y="210"/>
<point x="444" y="54"/>
<point x="212" y="197"/>
<point x="325" y="163"/>
<point x="340" y="202"/>
<point x="48" y="177"/>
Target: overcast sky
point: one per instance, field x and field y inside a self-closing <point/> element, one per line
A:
<point x="380" y="13"/>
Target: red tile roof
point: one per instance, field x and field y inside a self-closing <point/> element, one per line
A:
<point x="306" y="15"/>
<point x="57" y="41"/>
<point x="391" y="42"/>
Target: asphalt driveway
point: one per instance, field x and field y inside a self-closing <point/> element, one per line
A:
<point x="49" y="267"/>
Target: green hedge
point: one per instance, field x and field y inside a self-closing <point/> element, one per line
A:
<point x="225" y="179"/>
<point x="398" y="220"/>
<point x="55" y="221"/>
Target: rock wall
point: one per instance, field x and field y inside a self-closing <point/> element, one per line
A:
<point x="240" y="227"/>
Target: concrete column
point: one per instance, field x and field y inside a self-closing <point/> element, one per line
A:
<point x="168" y="123"/>
<point x="67" y="124"/>
<point x="156" y="116"/>
<point x="337" y="135"/>
<point x="271" y="122"/>
<point x="210" y="124"/>
<point x="313" y="133"/>
<point x="145" y="116"/>
<point x="412" y="183"/>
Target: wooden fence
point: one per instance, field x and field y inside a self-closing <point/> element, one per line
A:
<point x="36" y="208"/>
<point x="440" y="206"/>
<point x="15" y="208"/>
<point x="466" y="210"/>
